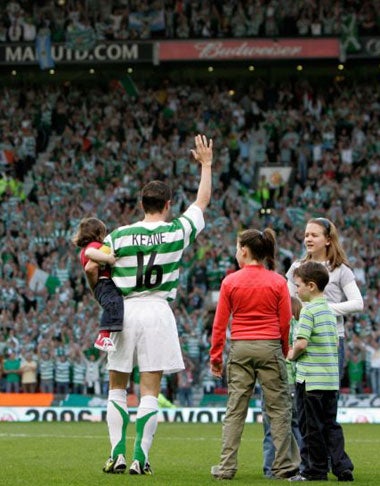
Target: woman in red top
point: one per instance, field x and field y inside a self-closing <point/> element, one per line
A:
<point x="258" y="300"/>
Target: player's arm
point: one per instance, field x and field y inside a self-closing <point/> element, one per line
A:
<point x="298" y="349"/>
<point x="100" y="255"/>
<point x="203" y="154"/>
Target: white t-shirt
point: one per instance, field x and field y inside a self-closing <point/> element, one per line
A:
<point x="342" y="292"/>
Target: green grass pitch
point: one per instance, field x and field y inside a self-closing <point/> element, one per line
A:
<point x="72" y="454"/>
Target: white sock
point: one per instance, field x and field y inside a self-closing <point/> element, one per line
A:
<point x="146" y="425"/>
<point x="117" y="420"/>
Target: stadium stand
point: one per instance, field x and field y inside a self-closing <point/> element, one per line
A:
<point x="130" y="19"/>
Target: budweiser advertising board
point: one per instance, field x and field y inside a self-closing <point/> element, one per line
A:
<point x="245" y="49"/>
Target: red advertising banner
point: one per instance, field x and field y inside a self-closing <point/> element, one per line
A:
<point x="248" y="49"/>
<point x="26" y="399"/>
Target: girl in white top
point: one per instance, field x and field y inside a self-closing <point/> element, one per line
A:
<point x="342" y="293"/>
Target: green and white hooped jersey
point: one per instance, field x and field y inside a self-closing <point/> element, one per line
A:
<point x="149" y="254"/>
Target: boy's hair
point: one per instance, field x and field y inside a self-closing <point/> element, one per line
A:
<point x="313" y="272"/>
<point x="261" y="244"/>
<point x="90" y="229"/>
<point x="154" y="196"/>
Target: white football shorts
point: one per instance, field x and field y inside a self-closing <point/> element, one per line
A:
<point x="149" y="338"/>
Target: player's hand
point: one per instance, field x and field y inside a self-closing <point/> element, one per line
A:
<point x="203" y="150"/>
<point x="111" y="259"/>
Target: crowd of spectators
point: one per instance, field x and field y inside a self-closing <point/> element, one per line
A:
<point x="87" y="150"/>
<point x="22" y="20"/>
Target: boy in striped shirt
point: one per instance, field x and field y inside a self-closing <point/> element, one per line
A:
<point x="317" y="380"/>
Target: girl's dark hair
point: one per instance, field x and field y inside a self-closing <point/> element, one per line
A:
<point x="261" y="244"/>
<point x="90" y="229"/>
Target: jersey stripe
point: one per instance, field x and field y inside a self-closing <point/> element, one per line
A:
<point x="149" y="254"/>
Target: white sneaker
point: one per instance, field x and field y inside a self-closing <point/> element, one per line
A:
<point x="117" y="466"/>
<point x="137" y="469"/>
<point x="104" y="344"/>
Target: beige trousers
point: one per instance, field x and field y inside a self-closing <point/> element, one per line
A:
<point x="249" y="361"/>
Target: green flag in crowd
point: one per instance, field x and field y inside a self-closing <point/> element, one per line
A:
<point x="349" y="42"/>
<point x="129" y="86"/>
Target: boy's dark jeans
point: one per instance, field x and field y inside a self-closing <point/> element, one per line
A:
<point x="321" y="434"/>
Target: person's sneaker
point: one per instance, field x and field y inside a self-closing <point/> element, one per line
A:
<point x="104" y="343"/>
<point x="115" y="466"/>
<point x="136" y="468"/>
<point x="346" y="476"/>
<point x="285" y="475"/>
<point x="297" y="477"/>
<point x="217" y="473"/>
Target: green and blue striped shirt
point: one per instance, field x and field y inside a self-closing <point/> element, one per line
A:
<point x="318" y="365"/>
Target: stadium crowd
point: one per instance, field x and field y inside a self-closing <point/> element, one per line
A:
<point x="22" y="20"/>
<point x="80" y="150"/>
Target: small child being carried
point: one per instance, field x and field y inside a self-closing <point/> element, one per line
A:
<point x="89" y="238"/>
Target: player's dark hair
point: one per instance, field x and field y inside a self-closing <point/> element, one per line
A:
<point x="313" y="272"/>
<point x="154" y="196"/>
<point x="261" y="244"/>
<point x="90" y="229"/>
